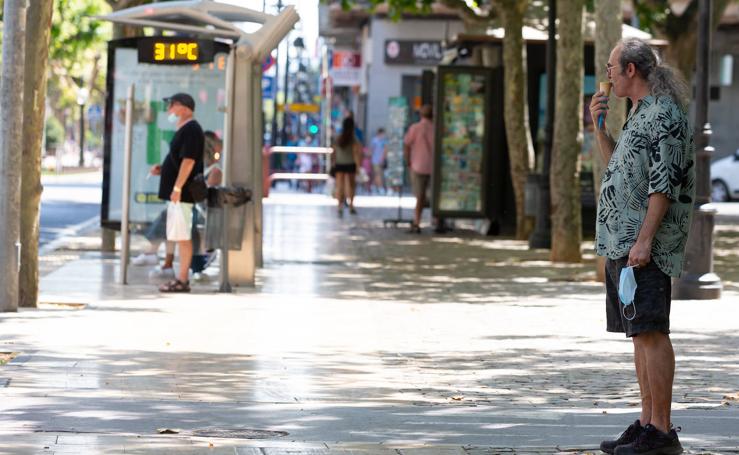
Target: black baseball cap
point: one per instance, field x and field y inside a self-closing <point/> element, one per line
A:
<point x="182" y="98"/>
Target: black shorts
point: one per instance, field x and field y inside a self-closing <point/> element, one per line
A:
<point x="652" y="300"/>
<point x="346" y="168"/>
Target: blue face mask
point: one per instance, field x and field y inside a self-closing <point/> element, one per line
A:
<point x="627" y="290"/>
<point x="172" y="118"/>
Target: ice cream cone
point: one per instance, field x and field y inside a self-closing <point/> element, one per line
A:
<point x="605" y="87"/>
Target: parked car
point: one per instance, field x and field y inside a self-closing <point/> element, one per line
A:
<point x="725" y="178"/>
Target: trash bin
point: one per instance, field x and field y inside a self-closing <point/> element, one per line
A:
<point x="219" y="198"/>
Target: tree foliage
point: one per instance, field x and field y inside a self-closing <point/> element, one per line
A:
<point x="678" y="27"/>
<point x="76" y="51"/>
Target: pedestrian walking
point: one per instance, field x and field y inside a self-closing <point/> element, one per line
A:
<point x="418" y="147"/>
<point x="378" y="148"/>
<point x="182" y="163"/>
<point x="644" y="213"/>
<point x="347" y="158"/>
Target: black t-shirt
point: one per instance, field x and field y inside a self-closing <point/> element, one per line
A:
<point x="188" y="142"/>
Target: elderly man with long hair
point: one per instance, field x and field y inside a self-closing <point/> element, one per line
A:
<point x="644" y="213"/>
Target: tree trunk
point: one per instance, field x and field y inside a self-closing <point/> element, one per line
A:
<point x="518" y="132"/>
<point x="11" y="131"/>
<point x="608" y="18"/>
<point x="680" y="54"/>
<point x="565" y="173"/>
<point x="34" y="102"/>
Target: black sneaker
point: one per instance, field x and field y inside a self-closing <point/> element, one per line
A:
<point x="627" y="437"/>
<point x="652" y="442"/>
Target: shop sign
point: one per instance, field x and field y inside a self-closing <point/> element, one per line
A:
<point x="346" y="68"/>
<point x="405" y="52"/>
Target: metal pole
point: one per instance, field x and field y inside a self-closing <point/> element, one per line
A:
<point x="258" y="171"/>
<point x="328" y="87"/>
<point x="698" y="280"/>
<point x="82" y="136"/>
<point x="126" y="196"/>
<point x="273" y="134"/>
<point x="228" y="148"/>
<point x="286" y="90"/>
<point x="542" y="235"/>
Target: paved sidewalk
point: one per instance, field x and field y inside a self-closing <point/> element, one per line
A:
<point x="357" y="339"/>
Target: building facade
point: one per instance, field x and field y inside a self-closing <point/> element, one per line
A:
<point x="392" y="57"/>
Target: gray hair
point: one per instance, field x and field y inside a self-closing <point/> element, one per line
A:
<point x="662" y="79"/>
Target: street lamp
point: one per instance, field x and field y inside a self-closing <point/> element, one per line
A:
<point x="698" y="280"/>
<point x="82" y="95"/>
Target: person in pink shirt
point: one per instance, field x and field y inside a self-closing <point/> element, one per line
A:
<point x="419" y="154"/>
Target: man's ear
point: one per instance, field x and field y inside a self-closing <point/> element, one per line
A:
<point x="631" y="69"/>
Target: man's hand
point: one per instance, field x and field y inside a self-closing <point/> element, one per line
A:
<point x="640" y="254"/>
<point x="156" y="169"/>
<point x="598" y="107"/>
<point x="176" y="196"/>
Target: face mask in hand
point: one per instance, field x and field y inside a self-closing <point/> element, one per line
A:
<point x="172" y="118"/>
<point x="627" y="290"/>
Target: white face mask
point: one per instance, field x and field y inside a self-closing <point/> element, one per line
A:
<point x="627" y="290"/>
<point x="173" y="118"/>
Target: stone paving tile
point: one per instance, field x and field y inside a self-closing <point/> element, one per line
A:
<point x="294" y="451"/>
<point x="111" y="444"/>
<point x="432" y="451"/>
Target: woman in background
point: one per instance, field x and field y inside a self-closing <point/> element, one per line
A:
<point x="347" y="158"/>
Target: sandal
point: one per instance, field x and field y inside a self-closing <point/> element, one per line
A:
<point x="415" y="229"/>
<point x="175" y="286"/>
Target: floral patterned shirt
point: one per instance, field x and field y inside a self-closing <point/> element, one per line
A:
<point x="654" y="154"/>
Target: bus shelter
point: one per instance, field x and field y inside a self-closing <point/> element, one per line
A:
<point x="219" y="64"/>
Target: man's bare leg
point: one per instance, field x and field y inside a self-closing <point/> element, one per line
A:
<point x="419" y="211"/>
<point x="185" y="260"/>
<point x="660" y="368"/>
<point x="641" y="374"/>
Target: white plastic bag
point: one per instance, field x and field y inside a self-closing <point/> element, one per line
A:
<point x="179" y="221"/>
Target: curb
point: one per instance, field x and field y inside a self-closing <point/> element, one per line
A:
<point x="68" y="233"/>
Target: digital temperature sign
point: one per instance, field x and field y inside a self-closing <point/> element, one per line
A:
<point x="175" y="51"/>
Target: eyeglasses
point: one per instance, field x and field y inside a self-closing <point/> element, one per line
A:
<point x="609" y="67"/>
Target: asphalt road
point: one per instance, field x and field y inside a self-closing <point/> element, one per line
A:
<point x="67" y="202"/>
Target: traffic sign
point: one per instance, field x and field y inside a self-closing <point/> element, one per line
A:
<point x="268" y="87"/>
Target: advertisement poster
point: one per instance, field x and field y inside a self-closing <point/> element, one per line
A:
<point x="397" y="121"/>
<point x="151" y="131"/>
<point x="461" y="140"/>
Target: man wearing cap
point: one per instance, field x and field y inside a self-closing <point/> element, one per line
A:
<point x="182" y="163"/>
